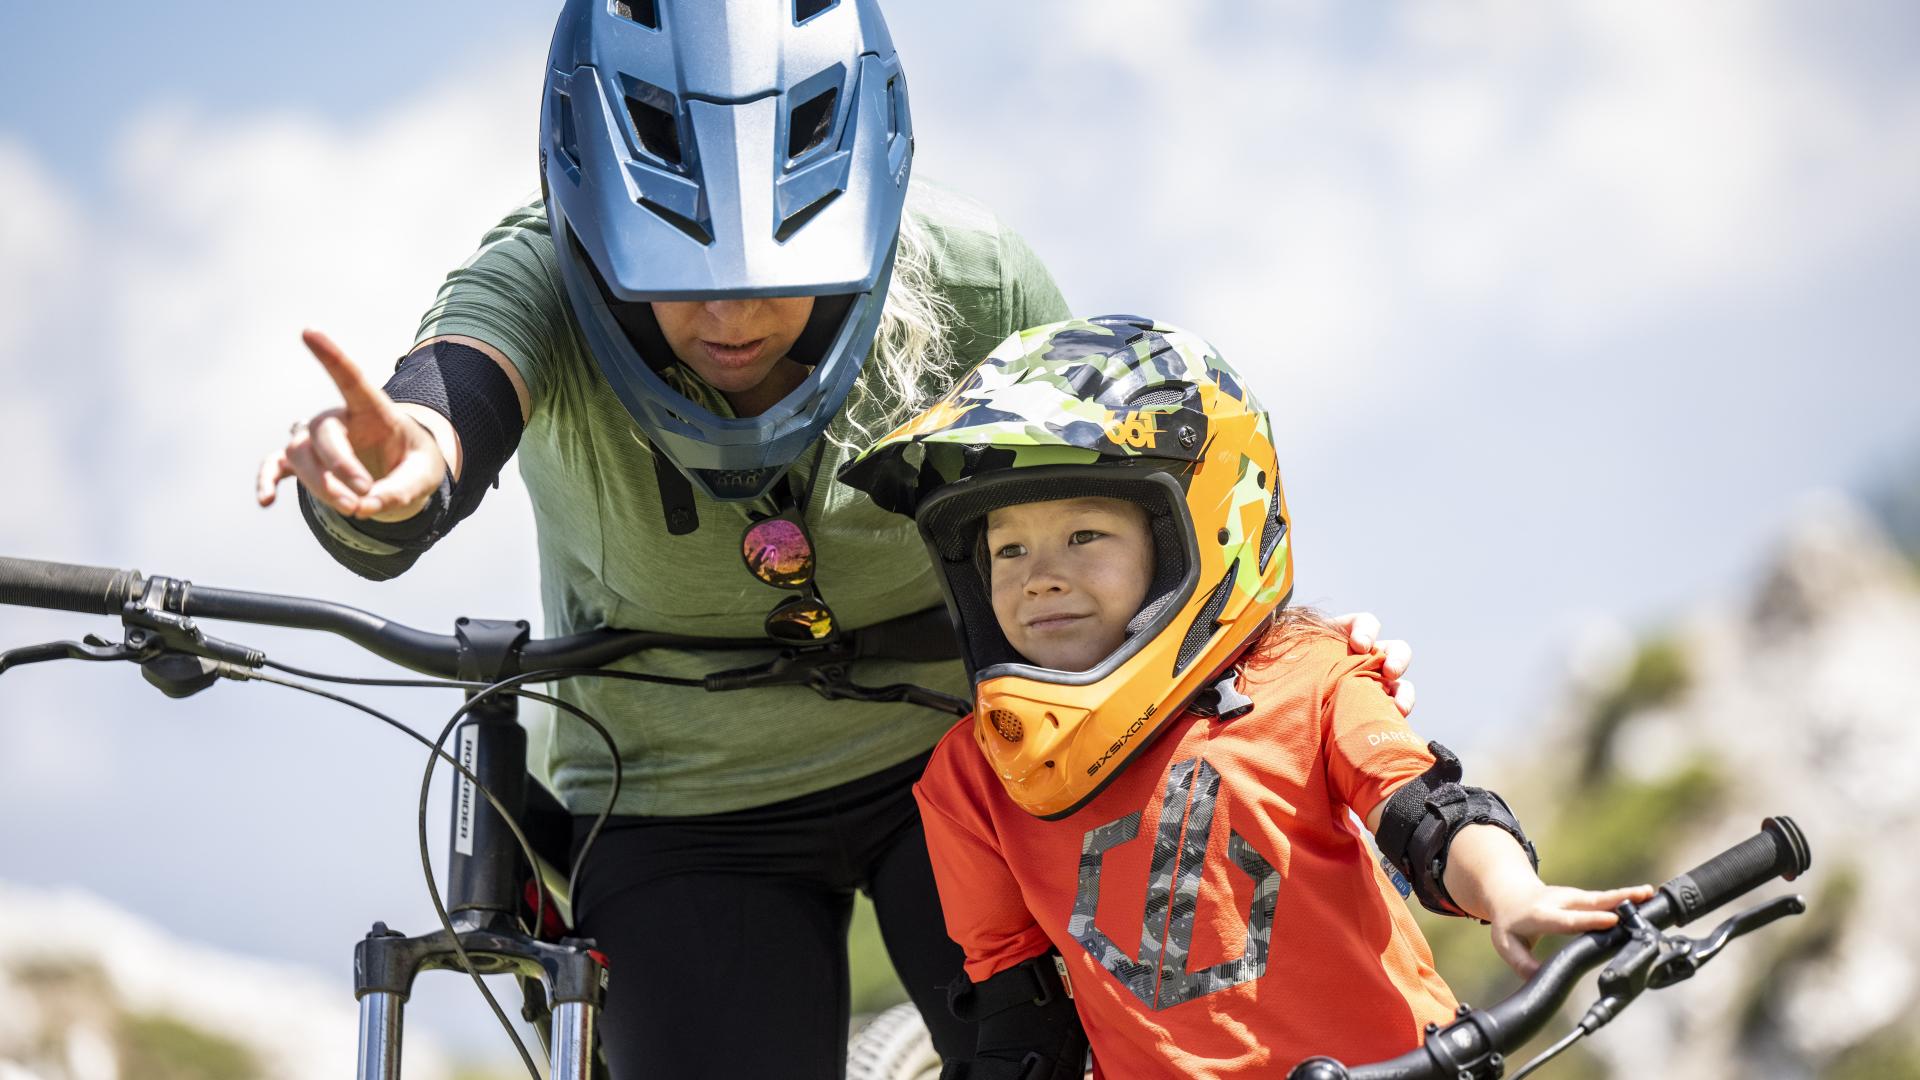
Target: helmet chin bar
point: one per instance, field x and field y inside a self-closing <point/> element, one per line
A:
<point x="728" y="458"/>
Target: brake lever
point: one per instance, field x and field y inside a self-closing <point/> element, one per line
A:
<point x="1683" y="956"/>
<point x="834" y="687"/>
<point x="92" y="648"/>
<point x="1625" y="976"/>
<point x="179" y="633"/>
<point x="794" y="666"/>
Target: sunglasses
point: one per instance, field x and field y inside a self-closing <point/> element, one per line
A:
<point x="778" y="551"/>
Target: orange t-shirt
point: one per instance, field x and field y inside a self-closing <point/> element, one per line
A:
<point x="1218" y="909"/>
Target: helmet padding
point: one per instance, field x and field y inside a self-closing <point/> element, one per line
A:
<point x="955" y="525"/>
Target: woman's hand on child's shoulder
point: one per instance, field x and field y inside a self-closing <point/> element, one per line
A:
<point x="1521" y="916"/>
<point x="1363" y="636"/>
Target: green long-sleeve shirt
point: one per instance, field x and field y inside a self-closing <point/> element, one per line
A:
<point x="606" y="558"/>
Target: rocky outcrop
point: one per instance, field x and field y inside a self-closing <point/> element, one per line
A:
<point x="89" y="992"/>
<point x="1800" y="699"/>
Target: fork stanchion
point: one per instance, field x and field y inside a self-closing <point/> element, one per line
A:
<point x="572" y="1035"/>
<point x="380" y="1013"/>
<point x="382" y="980"/>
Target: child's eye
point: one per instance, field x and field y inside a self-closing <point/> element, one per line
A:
<point x="1085" y="536"/>
<point x="1009" y="551"/>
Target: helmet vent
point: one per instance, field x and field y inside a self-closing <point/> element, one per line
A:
<point x="658" y="131"/>
<point x="1205" y="623"/>
<point x="1007" y="724"/>
<point x="811" y="122"/>
<point x="569" y="136"/>
<point x="1158" y="396"/>
<point x="807" y="9"/>
<point x="644" y="12"/>
<point x="693" y="229"/>
<point x="802" y="216"/>
<point x="1275" y="529"/>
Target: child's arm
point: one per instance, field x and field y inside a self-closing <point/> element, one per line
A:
<point x="1460" y="847"/>
<point x="1024" y="1018"/>
<point x="1489" y="877"/>
<point x="1492" y="880"/>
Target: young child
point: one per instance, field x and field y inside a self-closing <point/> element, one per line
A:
<point x="1151" y="807"/>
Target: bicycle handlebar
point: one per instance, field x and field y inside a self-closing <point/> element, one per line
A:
<point x="1778" y="850"/>
<point x="96" y="590"/>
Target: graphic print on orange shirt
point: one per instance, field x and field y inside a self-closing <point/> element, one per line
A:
<point x="1159" y="978"/>
<point x="1222" y="872"/>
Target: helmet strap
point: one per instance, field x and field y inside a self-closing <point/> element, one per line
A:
<point x="823" y="325"/>
<point x="643" y="330"/>
<point x="676" y="495"/>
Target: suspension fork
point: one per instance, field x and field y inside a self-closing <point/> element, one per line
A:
<point x="483" y="895"/>
<point x="385" y="964"/>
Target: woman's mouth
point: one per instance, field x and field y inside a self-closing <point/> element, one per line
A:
<point x="735" y="355"/>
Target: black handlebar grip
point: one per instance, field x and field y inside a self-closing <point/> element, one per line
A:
<point x="1778" y="850"/>
<point x="94" y="590"/>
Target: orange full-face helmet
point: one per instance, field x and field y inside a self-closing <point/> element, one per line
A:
<point x="1117" y="406"/>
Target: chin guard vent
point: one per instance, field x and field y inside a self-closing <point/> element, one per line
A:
<point x="1205" y="623"/>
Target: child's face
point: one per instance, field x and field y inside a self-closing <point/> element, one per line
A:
<point x="1067" y="575"/>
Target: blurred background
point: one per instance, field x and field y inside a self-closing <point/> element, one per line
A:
<point x="1588" y="328"/>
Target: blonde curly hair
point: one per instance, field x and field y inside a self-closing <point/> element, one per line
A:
<point x="911" y="351"/>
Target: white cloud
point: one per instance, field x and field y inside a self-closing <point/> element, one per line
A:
<point x="42" y="238"/>
<point x="39" y="236"/>
<point x="148" y="387"/>
<point x="1307" y="182"/>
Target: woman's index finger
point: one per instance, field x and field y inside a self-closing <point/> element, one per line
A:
<point x="359" y="394"/>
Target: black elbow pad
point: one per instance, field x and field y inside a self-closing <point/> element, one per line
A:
<point x="1028" y="1029"/>
<point x="1419" y="822"/>
<point x="464" y="385"/>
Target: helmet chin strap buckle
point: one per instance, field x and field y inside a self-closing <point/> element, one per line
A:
<point x="1223" y="700"/>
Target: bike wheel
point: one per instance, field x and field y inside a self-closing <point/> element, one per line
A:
<point x="893" y="1046"/>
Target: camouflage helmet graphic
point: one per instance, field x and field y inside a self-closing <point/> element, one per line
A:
<point x="1117" y="406"/>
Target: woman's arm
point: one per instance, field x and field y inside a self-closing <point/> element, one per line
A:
<point x="382" y="479"/>
<point x="1363" y="637"/>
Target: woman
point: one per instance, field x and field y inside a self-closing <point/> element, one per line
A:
<point x="726" y="289"/>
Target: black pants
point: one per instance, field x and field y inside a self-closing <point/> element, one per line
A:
<point x="726" y="934"/>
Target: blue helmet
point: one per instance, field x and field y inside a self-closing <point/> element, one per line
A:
<point x="694" y="149"/>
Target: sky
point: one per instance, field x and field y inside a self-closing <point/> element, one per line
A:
<point x="1562" y="312"/>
